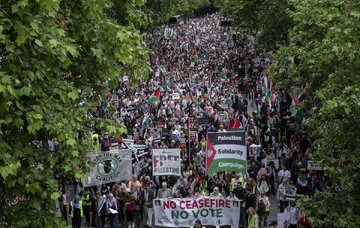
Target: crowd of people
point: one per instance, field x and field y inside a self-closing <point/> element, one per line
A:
<point x="208" y="78"/>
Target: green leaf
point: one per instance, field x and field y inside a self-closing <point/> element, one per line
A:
<point x="55" y="196"/>
<point x="70" y="142"/>
<point x="37" y="116"/>
<point x="38" y="42"/>
<point x="36" y="204"/>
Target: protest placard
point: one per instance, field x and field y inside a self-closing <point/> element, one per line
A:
<point x="313" y="166"/>
<point x="283" y="220"/>
<point x="166" y="162"/>
<point x="254" y="150"/>
<point x="211" y="211"/>
<point x="108" y="167"/>
<point x="175" y="96"/>
<point x="202" y="120"/>
<point x="226" y="151"/>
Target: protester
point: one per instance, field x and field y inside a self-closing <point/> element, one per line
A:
<point x="202" y="80"/>
<point x="86" y="199"/>
<point x="294" y="214"/>
<point x="253" y="220"/>
<point x="263" y="208"/>
<point x="112" y="208"/>
<point x="76" y="212"/>
<point x="148" y="194"/>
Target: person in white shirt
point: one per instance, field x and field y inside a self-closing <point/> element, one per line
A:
<point x="283" y="173"/>
<point x="164" y="192"/>
<point x="222" y="129"/>
<point x="294" y="214"/>
<point x="281" y="195"/>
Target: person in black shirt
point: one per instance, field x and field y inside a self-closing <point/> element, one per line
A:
<point x="239" y="191"/>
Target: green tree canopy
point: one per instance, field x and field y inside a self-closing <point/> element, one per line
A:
<point x="57" y="57"/>
<point x="319" y="52"/>
<point x="160" y="11"/>
<point x="268" y="20"/>
<point x="325" y="45"/>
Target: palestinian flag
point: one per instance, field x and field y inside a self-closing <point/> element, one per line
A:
<point x="301" y="96"/>
<point x="267" y="95"/>
<point x="154" y="98"/>
<point x="273" y="97"/>
<point x="186" y="129"/>
<point x="237" y="125"/>
<point x="230" y="124"/>
<point x="146" y="120"/>
<point x="295" y="101"/>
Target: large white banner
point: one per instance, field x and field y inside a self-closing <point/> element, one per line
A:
<point x="109" y="166"/>
<point x="184" y="212"/>
<point x="166" y="162"/>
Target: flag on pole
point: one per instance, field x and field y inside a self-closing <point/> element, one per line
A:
<point x="154" y="98"/>
<point x="295" y="100"/>
<point x="230" y="124"/>
<point x="146" y="120"/>
<point x="301" y="96"/>
<point x="273" y="97"/>
<point x="237" y="125"/>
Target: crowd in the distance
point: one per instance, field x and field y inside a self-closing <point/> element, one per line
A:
<point x="212" y="76"/>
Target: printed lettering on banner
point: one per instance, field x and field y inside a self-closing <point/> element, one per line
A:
<point x="211" y="211"/>
<point x="226" y="151"/>
<point x="166" y="162"/>
<point x="175" y="96"/>
<point x="107" y="167"/>
<point x="313" y="166"/>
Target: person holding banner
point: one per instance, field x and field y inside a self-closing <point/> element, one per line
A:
<point x="294" y="214"/>
<point x="281" y="194"/>
<point x="112" y="209"/>
<point x="198" y="224"/>
<point x="164" y="192"/>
